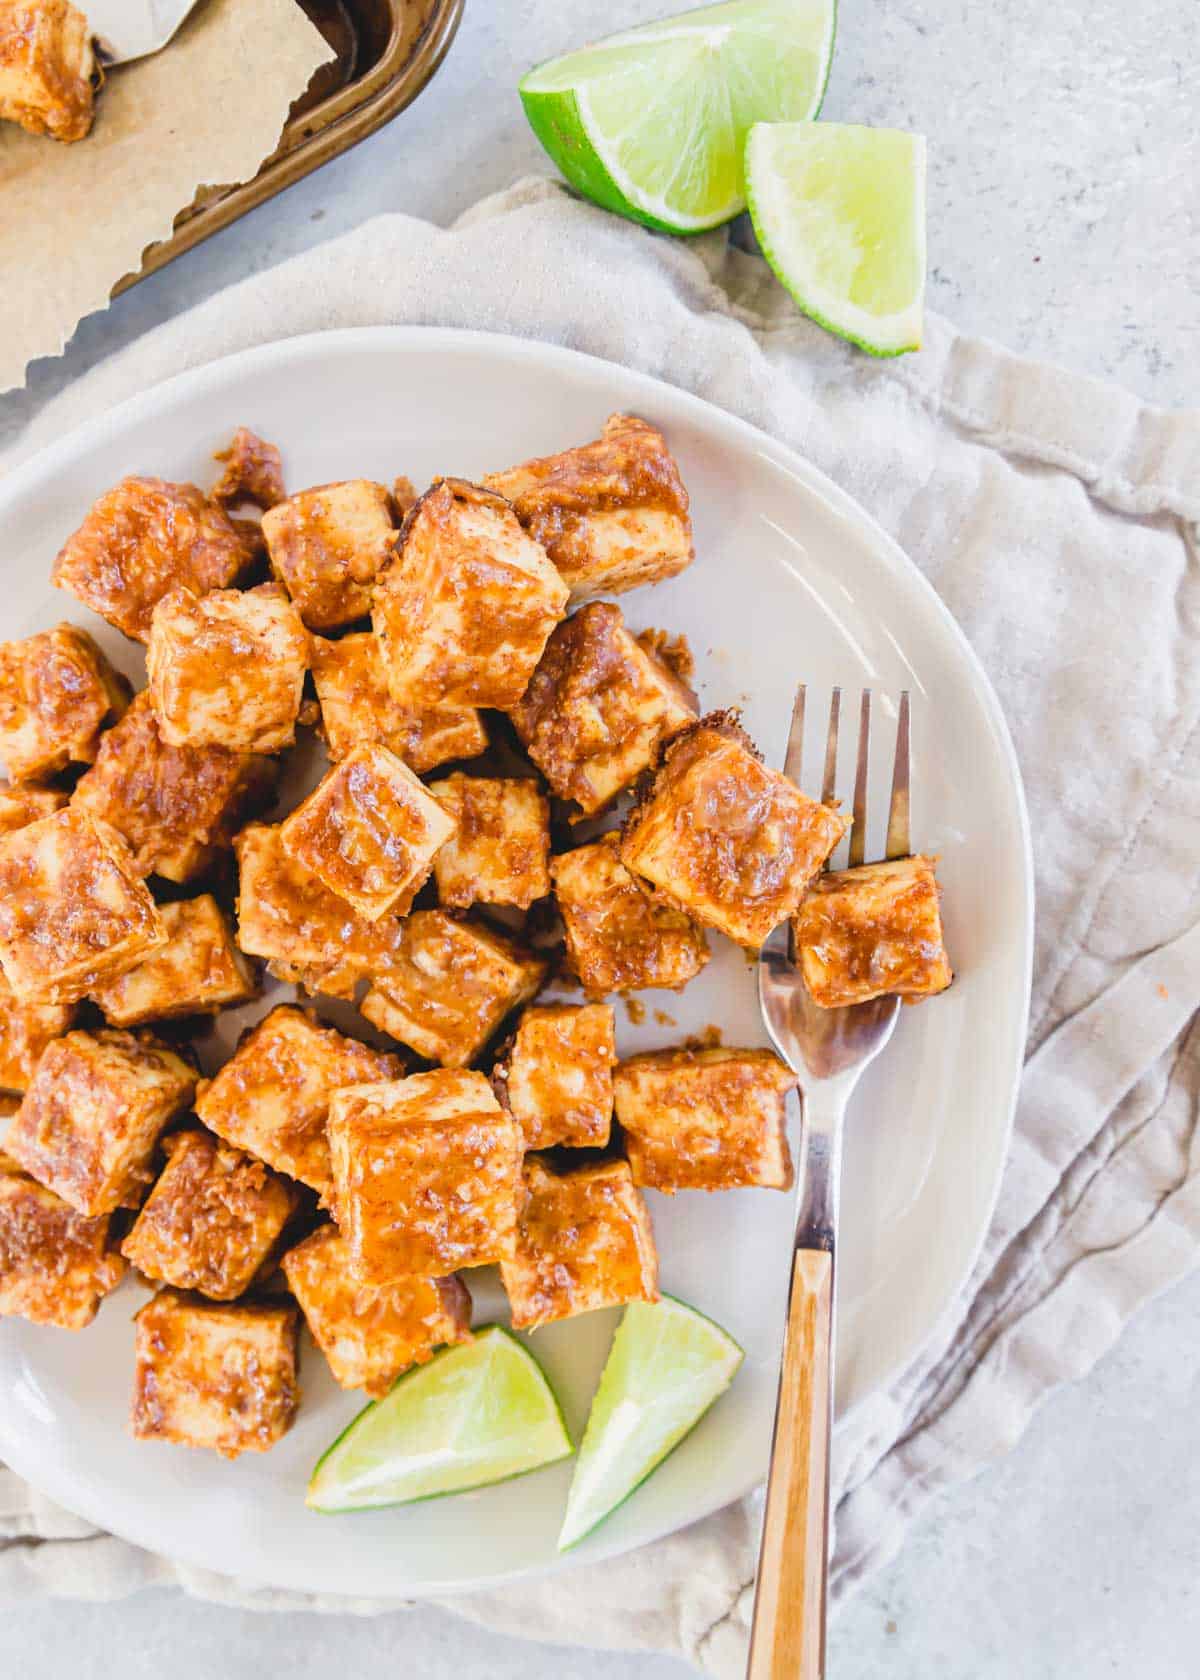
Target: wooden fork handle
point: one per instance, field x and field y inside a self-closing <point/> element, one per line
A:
<point x="787" y="1640"/>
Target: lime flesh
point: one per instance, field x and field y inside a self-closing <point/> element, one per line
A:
<point x="652" y="122"/>
<point x="667" y="1365"/>
<point x="840" y="214"/>
<point x="477" y="1413"/>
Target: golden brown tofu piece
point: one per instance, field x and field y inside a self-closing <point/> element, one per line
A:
<point x="25" y="803"/>
<point x="57" y="692"/>
<point x="73" y="908"/>
<point x="56" y="1266"/>
<point x="177" y="807"/>
<point x="197" y="972"/>
<point x="500" y="849"/>
<point x="356" y="708"/>
<point x="307" y="934"/>
<point x="449" y="985"/>
<point x="426" y="1174"/>
<point x="251" y="471"/>
<point x="212" y="1220"/>
<point x="706" y="1119"/>
<point x="611" y="514"/>
<point x="327" y="545"/>
<point x="95" y="1108"/>
<point x="226" y="669"/>
<point x="25" y="1031"/>
<point x="584" y="1241"/>
<point x="558" y="1076"/>
<point x="618" y="938"/>
<point x="464" y="607"/>
<point x="214" y="1375"/>
<point x="47" y="66"/>
<point x="599" y="708"/>
<point x="370" y="1333"/>
<point x="369" y="832"/>
<point x="861" y="933"/>
<point x="724" y="837"/>
<point x="272" y="1097"/>
<point x="144" y="538"/>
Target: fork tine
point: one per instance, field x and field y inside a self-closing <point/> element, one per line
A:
<point x="829" y="781"/>
<point x="899" y="842"/>
<point x="793" y="761"/>
<point x="858" y="833"/>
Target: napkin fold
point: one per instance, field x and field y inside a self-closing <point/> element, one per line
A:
<point x="1057" y="517"/>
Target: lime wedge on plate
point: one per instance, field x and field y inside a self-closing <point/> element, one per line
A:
<point x="479" y="1412"/>
<point x="840" y="214"/>
<point x="667" y="1365"/>
<point x="652" y="122"/>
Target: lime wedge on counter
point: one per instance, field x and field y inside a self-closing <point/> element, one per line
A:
<point x="652" y="122"/>
<point x="840" y="214"/>
<point x="667" y="1365"/>
<point x="479" y="1412"/>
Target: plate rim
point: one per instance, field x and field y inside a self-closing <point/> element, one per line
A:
<point x="76" y="444"/>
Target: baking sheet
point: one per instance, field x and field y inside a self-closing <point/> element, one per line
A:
<point x="205" y="111"/>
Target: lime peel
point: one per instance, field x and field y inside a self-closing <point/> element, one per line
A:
<point x="839" y="212"/>
<point x="667" y="1365"/>
<point x="651" y="122"/>
<point x="476" y="1413"/>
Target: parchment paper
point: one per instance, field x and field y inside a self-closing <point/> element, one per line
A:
<point x="74" y="219"/>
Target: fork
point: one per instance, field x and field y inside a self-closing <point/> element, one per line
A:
<point x="828" y="1048"/>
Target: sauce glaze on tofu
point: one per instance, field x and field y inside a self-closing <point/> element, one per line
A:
<point x="357" y="708"/>
<point x="619" y="939"/>
<point x="56" y="1265"/>
<point x="860" y="933"/>
<point x="726" y="838"/>
<point x="57" y="693"/>
<point x="611" y="514"/>
<point x="47" y="68"/>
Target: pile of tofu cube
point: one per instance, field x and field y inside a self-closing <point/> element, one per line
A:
<point x="149" y="872"/>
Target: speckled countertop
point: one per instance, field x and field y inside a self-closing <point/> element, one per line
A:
<point x="1065" y="222"/>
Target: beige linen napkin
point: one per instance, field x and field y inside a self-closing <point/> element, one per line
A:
<point x="1057" y="518"/>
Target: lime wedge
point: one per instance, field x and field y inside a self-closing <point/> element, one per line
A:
<point x="840" y="214"/>
<point x="479" y="1412"/>
<point x="667" y="1365"/>
<point x="652" y="122"/>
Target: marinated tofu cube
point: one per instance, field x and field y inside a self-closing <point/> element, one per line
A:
<point x="177" y="807"/>
<point x="95" y="1108"/>
<point x="449" y="985"/>
<point x="213" y="1375"/>
<point x="213" y="1219"/>
<point x="73" y="909"/>
<point x="197" y="972"/>
<point x="25" y="803"/>
<point x="56" y="1266"/>
<point x="618" y="938"/>
<point x="611" y="514"/>
<point x="327" y="545"/>
<point x="57" y="692"/>
<point x="861" y="933"/>
<point x="357" y="708"/>
<point x="144" y="538"/>
<point x="599" y="708"/>
<point x="500" y="849"/>
<point x="251" y="471"/>
<point x="25" y="1031"/>
<point x="426" y="1174"/>
<point x="307" y="934"/>
<point x="47" y="67"/>
<point x="724" y="837"/>
<point x="272" y="1097"/>
<point x="226" y="669"/>
<point x="370" y="1333"/>
<point x="369" y="832"/>
<point x="464" y="607"/>
<point x="558" y="1077"/>
<point x="706" y="1119"/>
<point x="584" y="1241"/>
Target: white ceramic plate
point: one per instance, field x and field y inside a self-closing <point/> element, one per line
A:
<point x="792" y="580"/>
